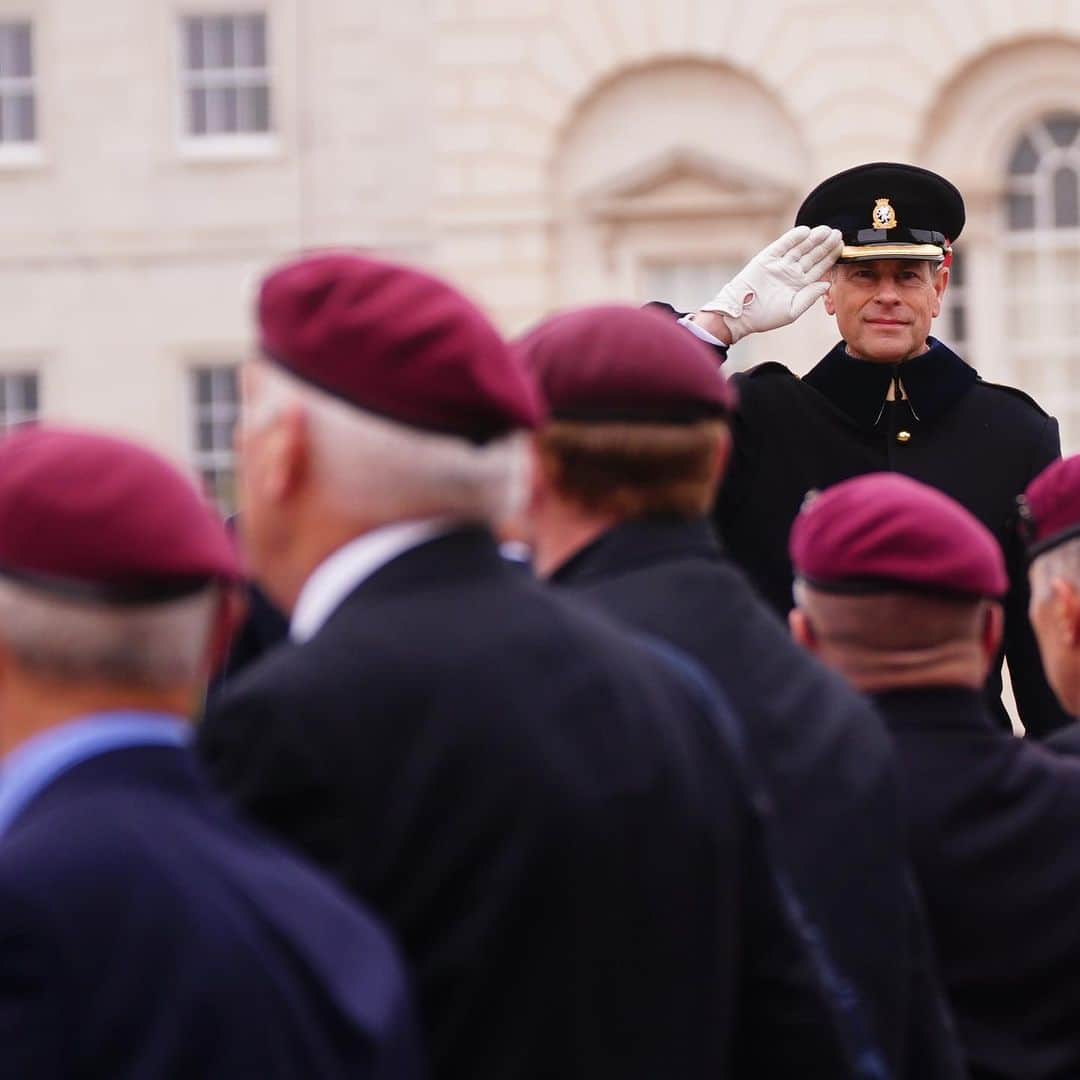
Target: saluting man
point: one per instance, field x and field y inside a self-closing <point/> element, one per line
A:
<point x="887" y="397"/>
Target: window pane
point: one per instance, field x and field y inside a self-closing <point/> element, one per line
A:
<point x="251" y="41"/>
<point x="195" y="56"/>
<point x="205" y="435"/>
<point x="1063" y="129"/>
<point x="204" y="383"/>
<point x="197" y="122"/>
<point x="30" y="393"/>
<point x="1021" y="211"/>
<point x="959" y="323"/>
<point x="221" y="47"/>
<point x="1066" y="199"/>
<point x="1025" y="158"/>
<point x="230" y="110"/>
<point x="957" y="270"/>
<point x="23" y="120"/>
<point x="258" y="40"/>
<point x="255" y="108"/>
<point x="215" y="111"/>
<point x="22" y="64"/>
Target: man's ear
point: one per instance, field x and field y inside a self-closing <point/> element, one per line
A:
<point x="993" y="633"/>
<point x="287" y="454"/>
<point x="802" y="630"/>
<point x="1066" y="602"/>
<point x="940" y="283"/>
<point x="830" y="307"/>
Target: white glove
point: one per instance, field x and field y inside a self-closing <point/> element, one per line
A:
<point x="780" y="283"/>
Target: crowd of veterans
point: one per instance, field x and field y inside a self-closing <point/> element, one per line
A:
<point x="556" y="708"/>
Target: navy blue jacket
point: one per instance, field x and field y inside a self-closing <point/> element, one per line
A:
<point x="993" y="824"/>
<point x="145" y="933"/>
<point x="825" y="758"/>
<point x="547" y="814"/>
<point x="1067" y="740"/>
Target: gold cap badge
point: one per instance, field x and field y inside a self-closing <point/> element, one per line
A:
<point x="884" y="215"/>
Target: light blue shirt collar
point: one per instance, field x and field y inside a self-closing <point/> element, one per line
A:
<point x="34" y="765"/>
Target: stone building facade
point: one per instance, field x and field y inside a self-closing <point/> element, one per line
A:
<point x="156" y="155"/>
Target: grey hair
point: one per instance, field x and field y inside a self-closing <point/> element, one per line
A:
<point x="153" y="646"/>
<point x="1060" y="562"/>
<point x="384" y="471"/>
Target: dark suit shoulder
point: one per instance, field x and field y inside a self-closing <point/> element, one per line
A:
<point x="769" y="370"/>
<point x="1002" y="392"/>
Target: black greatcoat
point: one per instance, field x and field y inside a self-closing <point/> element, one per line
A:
<point x="979" y="442"/>
<point x="823" y="753"/>
<point x="993" y="826"/>
<point x="547" y="813"/>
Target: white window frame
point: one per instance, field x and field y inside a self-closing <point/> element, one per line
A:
<point x="1044" y="242"/>
<point x="213" y="458"/>
<point x="224" y="145"/>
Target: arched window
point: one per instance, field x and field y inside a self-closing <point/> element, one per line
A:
<point x="1042" y="213"/>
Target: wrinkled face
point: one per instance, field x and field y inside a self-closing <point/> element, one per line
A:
<point x="884" y="307"/>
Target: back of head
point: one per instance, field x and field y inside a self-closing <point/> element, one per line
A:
<point x="413" y="403"/>
<point x="636" y="408"/>
<point x="110" y="562"/>
<point x="896" y="584"/>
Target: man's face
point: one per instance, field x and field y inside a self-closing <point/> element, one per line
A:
<point x="884" y="307"/>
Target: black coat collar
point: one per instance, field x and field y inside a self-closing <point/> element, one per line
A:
<point x="938" y="708"/>
<point x="933" y="382"/>
<point x="634" y="544"/>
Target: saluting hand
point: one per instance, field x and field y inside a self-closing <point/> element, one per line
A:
<point x="777" y="285"/>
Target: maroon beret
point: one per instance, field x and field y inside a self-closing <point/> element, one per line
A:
<point x="620" y="363"/>
<point x="396" y="342"/>
<point x="1050" y="507"/>
<point x="98" y="518"/>
<point x="884" y="530"/>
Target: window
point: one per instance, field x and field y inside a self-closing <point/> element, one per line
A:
<point x="18" y="117"/>
<point x="225" y="76"/>
<point x="19" y="395"/>
<point x="1042" y="265"/>
<point x="215" y="405"/>
<point x="953" y="328"/>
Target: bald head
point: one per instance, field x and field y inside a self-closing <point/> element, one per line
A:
<point x="895" y="640"/>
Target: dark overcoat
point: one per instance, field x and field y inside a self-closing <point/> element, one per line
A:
<point x="546" y="813"/>
<point x="824" y="756"/>
<point x="977" y="441"/>
<point x="145" y="932"/>
<point x="993" y="823"/>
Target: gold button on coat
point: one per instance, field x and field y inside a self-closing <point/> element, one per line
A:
<point x="903" y="436"/>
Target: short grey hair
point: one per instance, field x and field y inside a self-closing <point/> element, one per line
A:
<point x="383" y="471"/>
<point x="1060" y="562"/>
<point x="152" y="646"/>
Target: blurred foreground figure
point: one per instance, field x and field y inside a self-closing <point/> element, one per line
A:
<point x="1050" y="520"/>
<point x="144" y="932"/>
<point x="875" y="242"/>
<point x="898" y="588"/>
<point x="546" y="810"/>
<point x="629" y="465"/>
